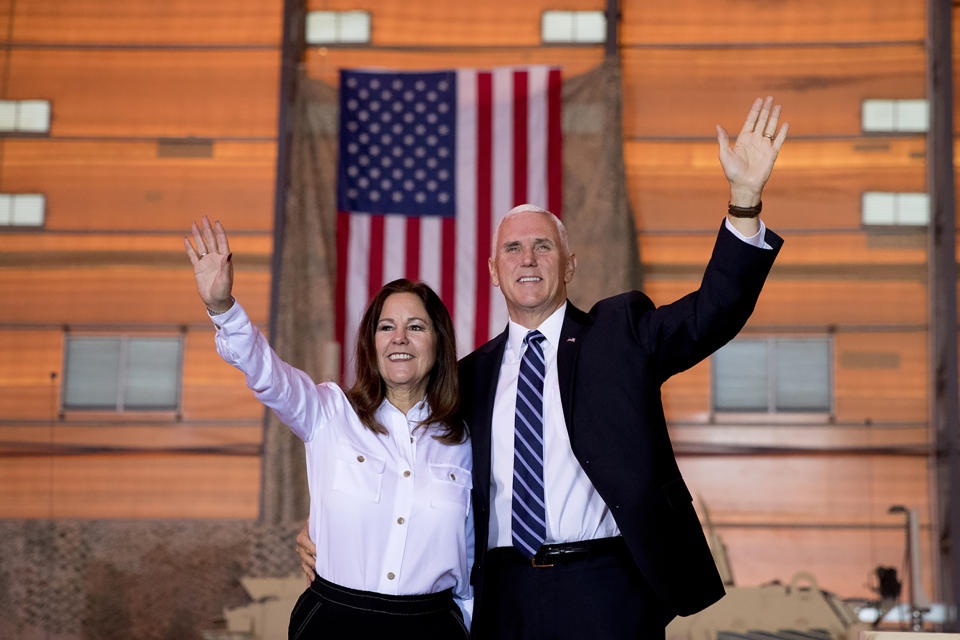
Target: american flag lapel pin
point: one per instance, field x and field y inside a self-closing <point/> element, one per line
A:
<point x="571" y="339"/>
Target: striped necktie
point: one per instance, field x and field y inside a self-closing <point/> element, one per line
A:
<point x="529" y="510"/>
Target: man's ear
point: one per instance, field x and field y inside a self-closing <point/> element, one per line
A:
<point x="492" y="266"/>
<point x="571" y="267"/>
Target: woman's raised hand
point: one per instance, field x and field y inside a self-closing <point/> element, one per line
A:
<point x="212" y="266"/>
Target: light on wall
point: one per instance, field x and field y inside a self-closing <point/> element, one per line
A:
<point x="25" y="116"/>
<point x="22" y="209"/>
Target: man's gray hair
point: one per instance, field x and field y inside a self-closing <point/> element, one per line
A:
<point x="532" y="208"/>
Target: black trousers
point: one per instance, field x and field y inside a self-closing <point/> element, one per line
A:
<point x="326" y="610"/>
<point x="601" y="598"/>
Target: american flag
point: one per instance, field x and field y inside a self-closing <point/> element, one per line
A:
<point x="428" y="164"/>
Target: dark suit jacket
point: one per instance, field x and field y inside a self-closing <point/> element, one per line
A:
<point x="611" y="363"/>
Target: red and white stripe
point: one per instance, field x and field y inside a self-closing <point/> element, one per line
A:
<point x="508" y="153"/>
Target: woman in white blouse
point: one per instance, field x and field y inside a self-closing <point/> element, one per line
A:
<point x="388" y="464"/>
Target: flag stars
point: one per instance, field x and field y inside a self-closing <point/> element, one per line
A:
<point x="398" y="140"/>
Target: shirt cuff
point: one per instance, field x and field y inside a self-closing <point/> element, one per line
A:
<point x="221" y="319"/>
<point x="756" y="240"/>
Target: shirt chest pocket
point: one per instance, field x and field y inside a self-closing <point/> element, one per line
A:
<point x="450" y="487"/>
<point x="358" y="473"/>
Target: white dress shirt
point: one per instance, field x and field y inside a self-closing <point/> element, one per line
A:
<point x="388" y="513"/>
<point x="575" y="511"/>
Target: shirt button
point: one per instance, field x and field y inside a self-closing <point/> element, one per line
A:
<point x="360" y="458"/>
<point x="453" y="477"/>
<point x="391" y="576"/>
<point x="411" y="438"/>
<point x="406" y="474"/>
<point x="400" y="520"/>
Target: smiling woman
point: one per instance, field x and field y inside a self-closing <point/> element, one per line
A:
<point x="388" y="465"/>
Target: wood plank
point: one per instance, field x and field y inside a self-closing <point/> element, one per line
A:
<point x="838" y="252"/>
<point x="796" y="434"/>
<point x="125" y="185"/>
<point x="325" y="63"/>
<point x="143" y="22"/>
<point x="429" y="23"/>
<point x="685" y="92"/>
<point x="881" y="392"/>
<point x="730" y="21"/>
<point x="131" y="434"/>
<point x="807" y="489"/>
<point x="213" y="389"/>
<point x="819" y="303"/>
<point x="121" y="295"/>
<point x="132" y="486"/>
<point x="27" y="360"/>
<point x="150" y="93"/>
<point x="41" y="250"/>
<point x="817" y="184"/>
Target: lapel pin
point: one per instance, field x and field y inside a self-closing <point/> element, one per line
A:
<point x="571" y="339"/>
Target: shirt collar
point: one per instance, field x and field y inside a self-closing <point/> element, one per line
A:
<point x="550" y="328"/>
<point x="417" y="413"/>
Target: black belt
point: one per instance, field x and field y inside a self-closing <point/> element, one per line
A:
<point x="551" y="555"/>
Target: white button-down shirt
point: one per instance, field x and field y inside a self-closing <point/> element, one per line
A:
<point x="388" y="513"/>
<point x="575" y="511"/>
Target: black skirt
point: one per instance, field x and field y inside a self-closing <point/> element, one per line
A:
<point x="328" y="611"/>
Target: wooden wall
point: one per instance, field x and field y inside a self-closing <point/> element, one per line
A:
<point x="165" y="111"/>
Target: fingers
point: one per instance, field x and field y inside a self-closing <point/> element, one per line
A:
<point x="781" y="137"/>
<point x="751" y="122"/>
<point x="209" y="239"/>
<point x="764" y="115"/>
<point x="198" y="240"/>
<point x="307" y="571"/>
<point x="771" y="127"/>
<point x="191" y="252"/>
<point x="223" y="246"/>
<point x="723" y="140"/>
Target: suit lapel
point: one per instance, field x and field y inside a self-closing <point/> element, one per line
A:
<point x="574" y="325"/>
<point x="485" y="391"/>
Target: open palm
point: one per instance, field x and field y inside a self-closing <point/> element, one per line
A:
<point x="212" y="264"/>
<point x="748" y="163"/>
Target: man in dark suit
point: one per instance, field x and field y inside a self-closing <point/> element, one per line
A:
<point x="584" y="527"/>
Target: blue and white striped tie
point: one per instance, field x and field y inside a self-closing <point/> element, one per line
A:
<point x="529" y="510"/>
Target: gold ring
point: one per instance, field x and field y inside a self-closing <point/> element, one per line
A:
<point x="203" y="254"/>
<point x="768" y="136"/>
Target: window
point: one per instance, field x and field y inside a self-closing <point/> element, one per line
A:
<point x="894" y="115"/>
<point x="900" y="209"/>
<point x="581" y="27"/>
<point x="25" y="116"/>
<point x="22" y="209"/>
<point x="338" y="27"/>
<point x="773" y="375"/>
<point x="122" y="373"/>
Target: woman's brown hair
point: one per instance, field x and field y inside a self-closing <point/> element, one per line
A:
<point x="443" y="392"/>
